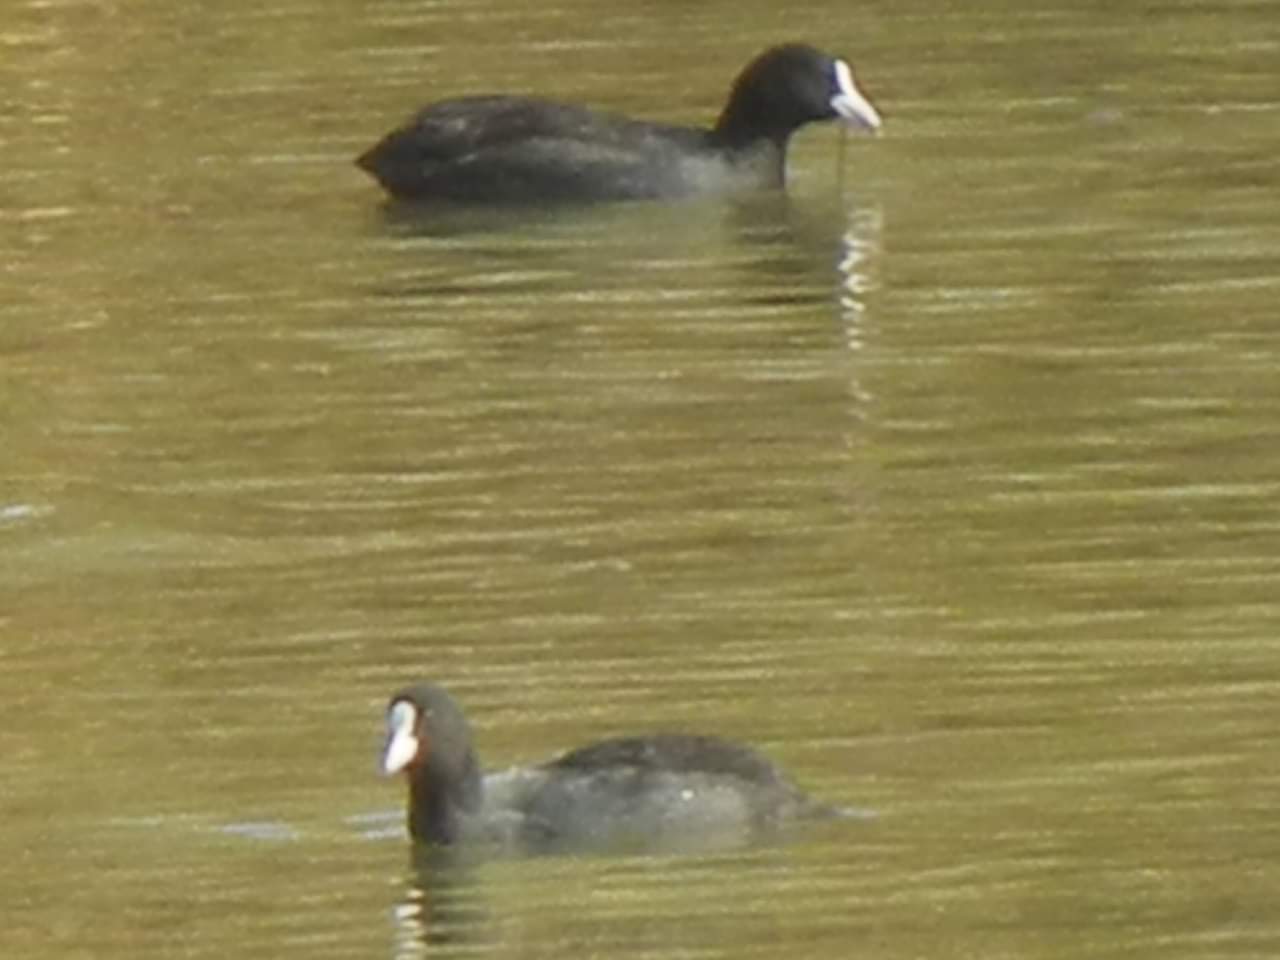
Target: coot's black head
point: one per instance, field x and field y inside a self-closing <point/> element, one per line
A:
<point x="430" y="740"/>
<point x="788" y="86"/>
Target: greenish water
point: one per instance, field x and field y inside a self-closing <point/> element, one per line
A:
<point x="951" y="481"/>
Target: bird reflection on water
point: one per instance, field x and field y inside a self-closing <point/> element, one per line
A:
<point x="441" y="904"/>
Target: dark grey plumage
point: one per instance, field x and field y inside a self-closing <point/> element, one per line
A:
<point x="661" y="791"/>
<point x="509" y="149"/>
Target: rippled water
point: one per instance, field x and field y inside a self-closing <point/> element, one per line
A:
<point x="950" y="480"/>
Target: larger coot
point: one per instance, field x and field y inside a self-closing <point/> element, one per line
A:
<point x="509" y="149"/>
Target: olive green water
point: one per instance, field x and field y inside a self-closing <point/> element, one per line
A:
<point x="953" y="481"/>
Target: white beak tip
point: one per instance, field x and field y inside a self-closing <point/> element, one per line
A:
<point x="401" y="751"/>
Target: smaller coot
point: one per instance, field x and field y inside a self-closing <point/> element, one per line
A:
<point x="667" y="791"/>
<point x="509" y="149"/>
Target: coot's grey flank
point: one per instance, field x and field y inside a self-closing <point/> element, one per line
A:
<point x="511" y="149"/>
<point x="663" y="791"/>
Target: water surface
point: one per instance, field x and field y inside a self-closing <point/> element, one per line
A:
<point x="949" y="480"/>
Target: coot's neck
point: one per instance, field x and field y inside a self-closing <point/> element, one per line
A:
<point x="753" y="139"/>
<point x="441" y="802"/>
<point x="758" y="160"/>
<point x="740" y="127"/>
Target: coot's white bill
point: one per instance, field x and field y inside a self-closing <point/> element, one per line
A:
<point x="402" y="742"/>
<point x="850" y="104"/>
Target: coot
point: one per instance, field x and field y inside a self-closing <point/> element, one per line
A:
<point x="668" y="791"/>
<point x="508" y="149"/>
